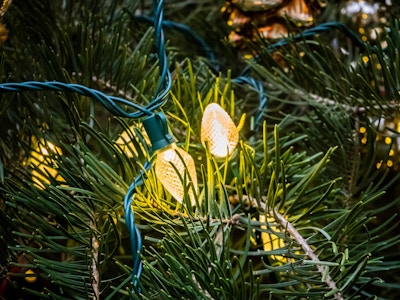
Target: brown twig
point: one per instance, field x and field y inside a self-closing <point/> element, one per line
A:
<point x="95" y="270"/>
<point x="4" y="7"/>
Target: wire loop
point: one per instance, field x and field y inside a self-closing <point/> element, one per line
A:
<point x="114" y="105"/>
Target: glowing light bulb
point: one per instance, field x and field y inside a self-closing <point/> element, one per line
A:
<point x="31" y="276"/>
<point x="175" y="167"/>
<point x="218" y="131"/>
<point x="129" y="142"/>
<point x="42" y="163"/>
<point x="271" y="241"/>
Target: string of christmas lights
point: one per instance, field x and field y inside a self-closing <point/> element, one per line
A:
<point x="113" y="105"/>
<point x="174" y="167"/>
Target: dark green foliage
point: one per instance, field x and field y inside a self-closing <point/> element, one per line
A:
<point x="306" y="172"/>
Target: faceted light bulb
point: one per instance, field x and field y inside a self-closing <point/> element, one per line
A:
<point x="175" y="167"/>
<point x="218" y="131"/>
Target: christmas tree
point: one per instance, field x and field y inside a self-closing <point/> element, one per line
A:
<point x="199" y="149"/>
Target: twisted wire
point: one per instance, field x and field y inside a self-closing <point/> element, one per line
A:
<point x="135" y="237"/>
<point x="109" y="102"/>
<point x="165" y="82"/>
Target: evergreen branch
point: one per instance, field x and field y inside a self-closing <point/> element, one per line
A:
<point x="233" y="220"/>
<point x="348" y="108"/>
<point x="108" y="85"/>
<point x="297" y="236"/>
<point x="307" y="249"/>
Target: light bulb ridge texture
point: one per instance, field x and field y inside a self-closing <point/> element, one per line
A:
<point x="218" y="132"/>
<point x="173" y="168"/>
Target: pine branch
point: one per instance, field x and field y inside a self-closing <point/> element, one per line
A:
<point x="232" y="220"/>
<point x="284" y="223"/>
<point x="354" y="110"/>
<point x="307" y="249"/>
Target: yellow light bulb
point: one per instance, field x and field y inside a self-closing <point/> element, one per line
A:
<point x="271" y="241"/>
<point x="218" y="131"/>
<point x="130" y="147"/>
<point x="31" y="276"/>
<point x="175" y="167"/>
<point x="40" y="159"/>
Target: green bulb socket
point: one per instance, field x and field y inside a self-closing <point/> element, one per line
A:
<point x="157" y="129"/>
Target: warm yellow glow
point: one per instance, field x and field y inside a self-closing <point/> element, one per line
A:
<point x="43" y="164"/>
<point x="218" y="132"/>
<point x="127" y="145"/>
<point x="388" y="140"/>
<point x="31" y="276"/>
<point x="363" y="130"/>
<point x="271" y="241"/>
<point x="175" y="167"/>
